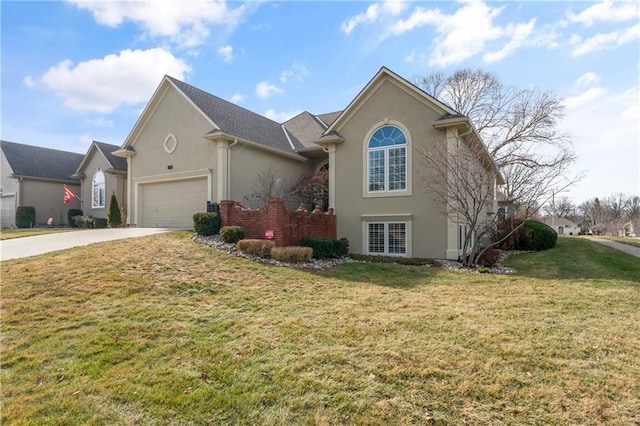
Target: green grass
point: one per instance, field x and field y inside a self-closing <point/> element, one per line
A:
<point x="8" y="233"/>
<point x="160" y="330"/>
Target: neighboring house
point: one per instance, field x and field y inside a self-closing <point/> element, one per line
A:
<point x="101" y="174"/>
<point x="631" y="229"/>
<point x="189" y="147"/>
<point x="563" y="226"/>
<point x="35" y="176"/>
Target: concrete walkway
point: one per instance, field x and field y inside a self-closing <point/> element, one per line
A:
<point x="17" y="248"/>
<point x="632" y="250"/>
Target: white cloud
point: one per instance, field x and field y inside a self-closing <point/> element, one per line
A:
<point x="297" y="71"/>
<point x="265" y="90"/>
<point x="184" y="24"/>
<point x="606" y="136"/>
<point x="585" y="98"/>
<point x="237" y="98"/>
<point x="604" y="41"/>
<point x="369" y="16"/>
<point x="519" y="34"/>
<point x="587" y="78"/>
<point x="100" y="122"/>
<point x="226" y="52"/>
<point x="282" y="116"/>
<point x="102" y="85"/>
<point x="607" y="10"/>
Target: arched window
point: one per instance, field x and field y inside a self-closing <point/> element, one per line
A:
<point x="98" y="190"/>
<point x="387" y="160"/>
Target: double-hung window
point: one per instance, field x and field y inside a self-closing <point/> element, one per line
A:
<point x="387" y="160"/>
<point x="387" y="238"/>
<point x="98" y="190"/>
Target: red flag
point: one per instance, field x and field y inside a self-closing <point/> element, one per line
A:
<point x="68" y="195"/>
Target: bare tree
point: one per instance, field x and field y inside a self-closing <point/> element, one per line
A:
<point x="462" y="181"/>
<point x="312" y="188"/>
<point x="519" y="127"/>
<point x="632" y="210"/>
<point x="560" y="207"/>
<point x="269" y="184"/>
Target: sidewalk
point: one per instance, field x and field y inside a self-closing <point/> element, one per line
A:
<point x="632" y="250"/>
<point x="17" y="248"/>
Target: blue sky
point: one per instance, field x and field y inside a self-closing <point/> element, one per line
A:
<point x="77" y="71"/>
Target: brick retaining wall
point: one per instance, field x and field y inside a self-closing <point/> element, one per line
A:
<point x="288" y="226"/>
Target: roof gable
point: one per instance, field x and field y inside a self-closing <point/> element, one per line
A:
<point x="105" y="150"/>
<point x="384" y="74"/>
<point x="44" y="163"/>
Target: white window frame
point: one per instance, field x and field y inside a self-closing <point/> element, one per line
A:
<point x="385" y="224"/>
<point x="366" y="193"/>
<point x="101" y="187"/>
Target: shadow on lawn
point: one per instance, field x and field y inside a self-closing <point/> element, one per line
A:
<point x="578" y="258"/>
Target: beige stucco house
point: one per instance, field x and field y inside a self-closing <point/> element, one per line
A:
<point x="101" y="174"/>
<point x="189" y="147"/>
<point x="35" y="176"/>
<point x="563" y="226"/>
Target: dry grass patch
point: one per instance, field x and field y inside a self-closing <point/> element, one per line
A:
<point x="8" y="233"/>
<point x="160" y="330"/>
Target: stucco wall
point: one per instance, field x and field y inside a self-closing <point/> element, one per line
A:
<point x="173" y="115"/>
<point x="47" y="198"/>
<point x="389" y="103"/>
<point x="113" y="183"/>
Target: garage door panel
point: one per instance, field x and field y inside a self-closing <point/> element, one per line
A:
<point x="172" y="203"/>
<point x="7" y="210"/>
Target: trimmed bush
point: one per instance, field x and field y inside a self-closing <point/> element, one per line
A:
<point x="490" y="257"/>
<point x="99" y="222"/>
<point x="326" y="247"/>
<point x="537" y="236"/>
<point x="83" y="221"/>
<point x="292" y="254"/>
<point x="70" y="214"/>
<point x="207" y="223"/>
<point x="260" y="248"/>
<point x="114" y="217"/>
<point x="232" y="234"/>
<point x="341" y="247"/>
<point x="322" y="247"/>
<point x="25" y="216"/>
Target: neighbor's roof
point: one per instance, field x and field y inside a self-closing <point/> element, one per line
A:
<point x="44" y="163"/>
<point x="560" y="221"/>
<point x="240" y="122"/>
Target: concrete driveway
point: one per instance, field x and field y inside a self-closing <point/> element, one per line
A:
<point x="16" y="248"/>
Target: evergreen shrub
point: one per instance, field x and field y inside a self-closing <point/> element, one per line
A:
<point x="25" y="216"/>
<point x="207" y="223"/>
<point x="232" y="234"/>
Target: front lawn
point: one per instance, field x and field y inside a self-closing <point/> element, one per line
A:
<point x="161" y="330"/>
<point x="9" y="233"/>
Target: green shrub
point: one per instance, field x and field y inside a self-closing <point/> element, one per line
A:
<point x="114" y="217"/>
<point x="260" y="248"/>
<point x="25" y="216"/>
<point x="409" y="261"/>
<point x="232" y="234"/>
<point x="99" y="222"/>
<point x="83" y="221"/>
<point x="70" y="214"/>
<point x="292" y="254"/>
<point x="322" y="247"/>
<point x="341" y="247"/>
<point x="537" y="236"/>
<point x="207" y="223"/>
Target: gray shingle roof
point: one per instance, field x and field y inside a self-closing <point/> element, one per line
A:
<point x="306" y="128"/>
<point x="44" y="163"/>
<point x="117" y="163"/>
<point x="329" y="117"/>
<point x="237" y="121"/>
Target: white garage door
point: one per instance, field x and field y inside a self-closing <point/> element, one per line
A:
<point x="172" y="204"/>
<point x="7" y="210"/>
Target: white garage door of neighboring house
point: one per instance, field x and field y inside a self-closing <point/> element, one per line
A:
<point x="171" y="204"/>
<point x="7" y="210"/>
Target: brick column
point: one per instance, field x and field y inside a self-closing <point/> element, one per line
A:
<point x="226" y="212"/>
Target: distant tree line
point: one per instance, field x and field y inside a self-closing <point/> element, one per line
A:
<point x="597" y="214"/>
